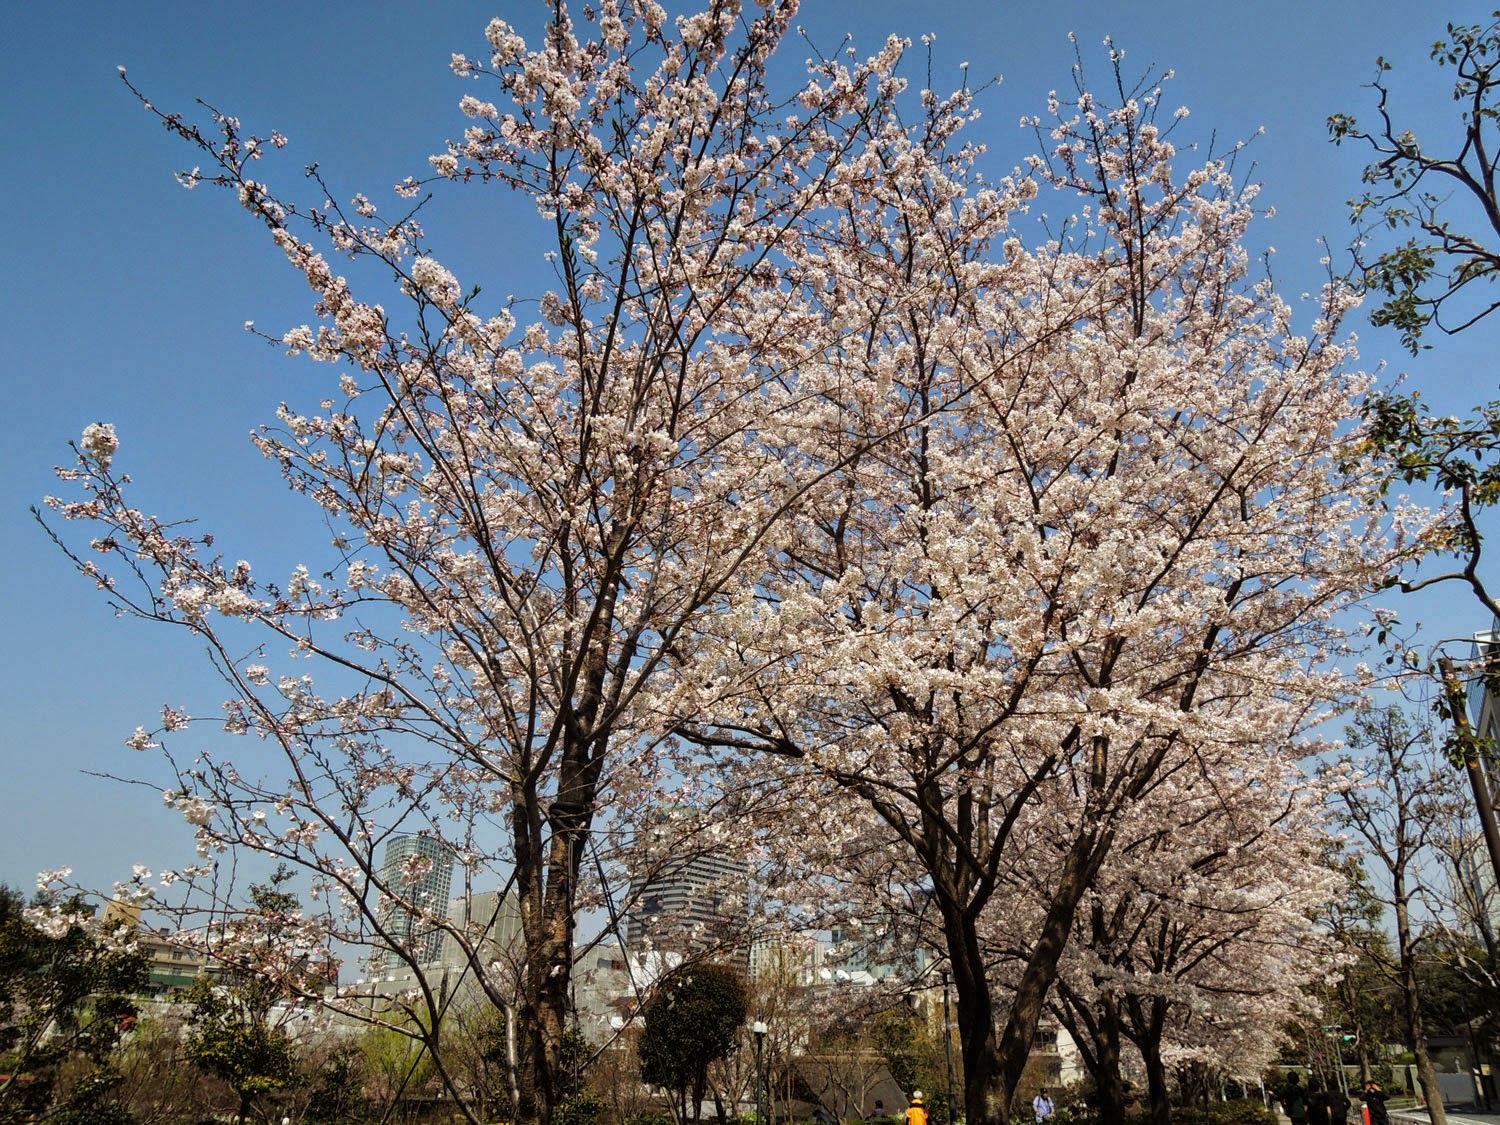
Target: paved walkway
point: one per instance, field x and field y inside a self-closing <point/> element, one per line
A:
<point x="1419" y="1116"/>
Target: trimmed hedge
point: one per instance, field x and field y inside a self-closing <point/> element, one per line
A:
<point x="1242" y="1111"/>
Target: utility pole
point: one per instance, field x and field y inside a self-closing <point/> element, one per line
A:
<point x="1468" y="745"/>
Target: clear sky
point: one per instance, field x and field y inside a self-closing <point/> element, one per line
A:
<point x="126" y="294"/>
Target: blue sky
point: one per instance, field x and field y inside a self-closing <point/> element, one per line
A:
<point x="126" y="294"/>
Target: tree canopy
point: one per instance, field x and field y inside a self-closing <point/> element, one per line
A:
<point x="833" y="485"/>
<point x="691" y="1020"/>
<point x="68" y="989"/>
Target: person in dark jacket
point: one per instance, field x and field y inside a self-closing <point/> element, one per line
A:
<point x="1326" y="1107"/>
<point x="1375" y="1103"/>
<point x="1294" y="1099"/>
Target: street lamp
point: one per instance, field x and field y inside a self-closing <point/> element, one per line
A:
<point x="948" y="1044"/>
<point x="759" y="1028"/>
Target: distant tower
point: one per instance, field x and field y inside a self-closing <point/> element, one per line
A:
<point x="419" y="871"/>
<point x="690" y="903"/>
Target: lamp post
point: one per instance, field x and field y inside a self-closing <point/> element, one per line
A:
<point x="948" y="1044"/>
<point x="759" y="1028"/>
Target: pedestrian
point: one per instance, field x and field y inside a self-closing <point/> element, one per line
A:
<point x="1041" y="1105"/>
<point x="1375" y="1103"/>
<point x="916" y="1113"/>
<point x="1326" y="1106"/>
<point x="1294" y="1099"/>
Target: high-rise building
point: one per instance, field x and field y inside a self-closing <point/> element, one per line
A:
<point x="479" y="952"/>
<point x="418" y="873"/>
<point x="489" y="922"/>
<point x="691" y="902"/>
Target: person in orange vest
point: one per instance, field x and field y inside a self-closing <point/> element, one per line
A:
<point x="916" y="1113"/>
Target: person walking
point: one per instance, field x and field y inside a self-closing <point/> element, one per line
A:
<point x="1326" y="1106"/>
<point x="1294" y="1099"/>
<point x="1041" y="1106"/>
<point x="916" y="1113"/>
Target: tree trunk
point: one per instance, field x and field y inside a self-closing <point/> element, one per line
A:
<point x="1158" y="1092"/>
<point x="1411" y="1000"/>
<point x="550" y="841"/>
<point x="548" y="921"/>
<point x="1193" y="1082"/>
<point x="992" y="1070"/>
<point x="1096" y="1034"/>
<point x="975" y="1017"/>
<point x="1148" y="1022"/>
<point x="553" y="976"/>
<point x="1108" y="1081"/>
<point x="1014" y="1048"/>
<point x="1427" y="1078"/>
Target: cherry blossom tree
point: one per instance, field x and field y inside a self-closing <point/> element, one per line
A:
<point x="950" y="548"/>
<point x="527" y="513"/>
<point x="1199" y="941"/>
<point x="1128" y="536"/>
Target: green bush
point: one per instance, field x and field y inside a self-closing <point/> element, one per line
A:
<point x="1241" y="1111"/>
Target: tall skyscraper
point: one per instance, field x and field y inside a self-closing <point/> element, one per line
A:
<point x="692" y="902"/>
<point x="418" y="870"/>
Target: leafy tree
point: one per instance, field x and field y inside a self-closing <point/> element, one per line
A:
<point x="914" y="1057"/>
<point x="580" y="1103"/>
<point x="66" y="997"/>
<point x="234" y="1026"/>
<point x="877" y="1036"/>
<point x="338" y="1091"/>
<point x="1394" y="821"/>
<point x="691" y="1021"/>
<point x="397" y="1064"/>
<point x="93" y="1101"/>
<point x="1443" y="276"/>
<point x="1365" y="1002"/>
<point x="230" y="1037"/>
<point x="477" y="1043"/>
